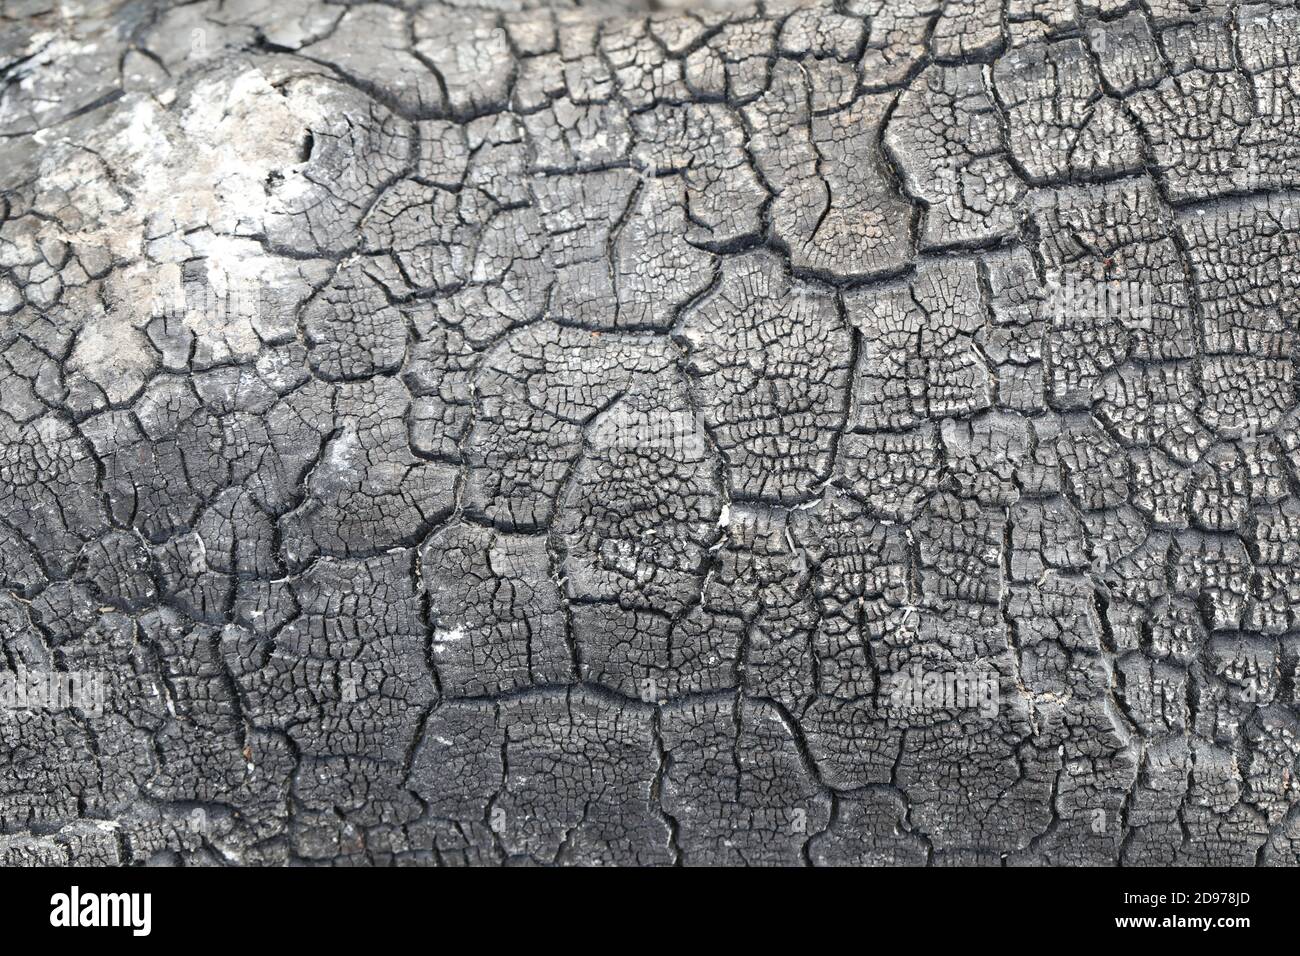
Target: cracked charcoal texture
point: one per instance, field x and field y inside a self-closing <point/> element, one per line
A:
<point x="546" y="432"/>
